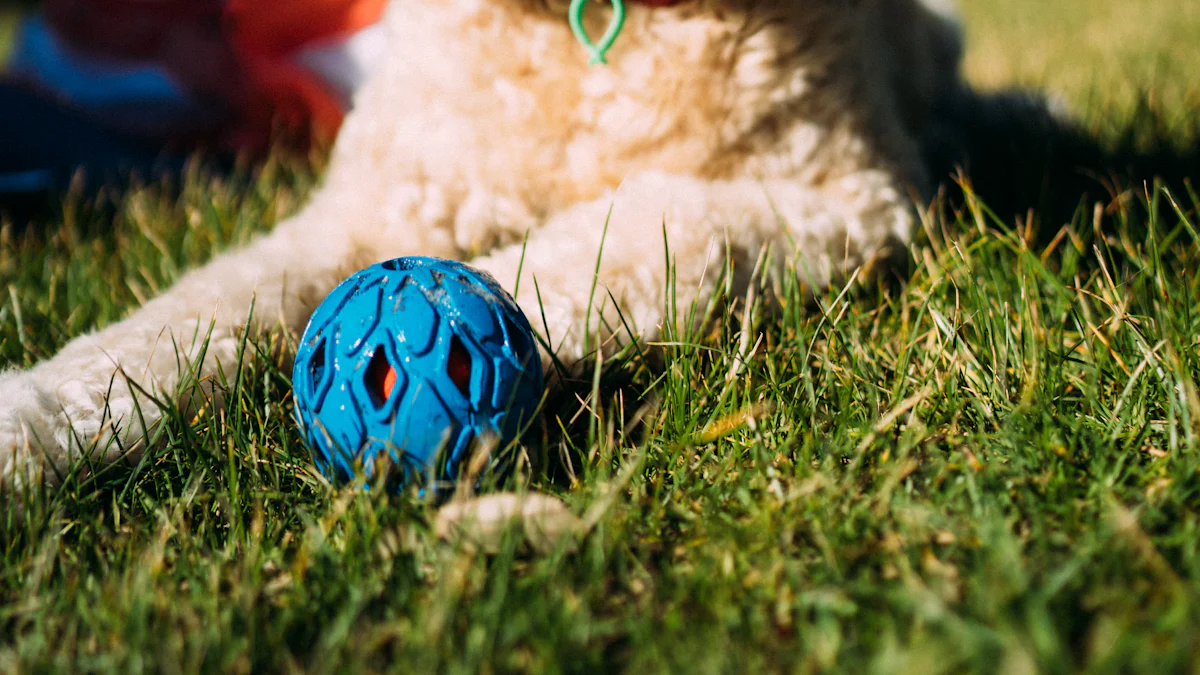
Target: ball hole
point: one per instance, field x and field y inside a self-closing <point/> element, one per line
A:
<point x="458" y="366"/>
<point x="399" y="264"/>
<point x="380" y="377"/>
<point x="316" y="366"/>
<point x="518" y="339"/>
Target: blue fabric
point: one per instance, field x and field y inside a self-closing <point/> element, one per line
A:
<point x="43" y="145"/>
<point x="138" y="98"/>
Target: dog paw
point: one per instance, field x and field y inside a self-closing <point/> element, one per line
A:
<point x="49" y="421"/>
<point x="542" y="521"/>
<point x="26" y="428"/>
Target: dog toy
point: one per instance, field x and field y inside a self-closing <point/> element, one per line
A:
<point x="597" y="51"/>
<point x="421" y="359"/>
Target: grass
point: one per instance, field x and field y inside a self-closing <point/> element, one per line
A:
<point x="8" y="24"/>
<point x="1101" y="54"/>
<point x="990" y="468"/>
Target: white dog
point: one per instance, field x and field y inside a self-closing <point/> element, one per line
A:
<point x="730" y="124"/>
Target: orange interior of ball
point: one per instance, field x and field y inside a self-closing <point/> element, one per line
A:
<point x="389" y="382"/>
<point x="380" y="377"/>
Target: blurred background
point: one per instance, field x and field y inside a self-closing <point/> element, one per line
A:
<point x="1098" y="54"/>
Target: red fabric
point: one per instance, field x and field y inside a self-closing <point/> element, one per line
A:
<point x="236" y="52"/>
<point x="281" y="26"/>
<point x="264" y="34"/>
<point x="132" y="29"/>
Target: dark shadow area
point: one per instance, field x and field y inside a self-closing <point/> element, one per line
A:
<point x="49" y="153"/>
<point x="1020" y="156"/>
<point x="566" y="419"/>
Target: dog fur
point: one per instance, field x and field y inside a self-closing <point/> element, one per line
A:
<point x="728" y="124"/>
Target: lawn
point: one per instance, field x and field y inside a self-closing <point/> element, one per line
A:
<point x="8" y="24"/>
<point x="1100" y="54"/>
<point x="990" y="468"/>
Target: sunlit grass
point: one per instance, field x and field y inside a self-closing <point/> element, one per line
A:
<point x="8" y="26"/>
<point x="1098" y="54"/>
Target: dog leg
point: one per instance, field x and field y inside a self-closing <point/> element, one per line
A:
<point x="95" y="395"/>
<point x="831" y="230"/>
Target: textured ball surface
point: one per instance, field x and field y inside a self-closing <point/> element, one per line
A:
<point x="415" y="358"/>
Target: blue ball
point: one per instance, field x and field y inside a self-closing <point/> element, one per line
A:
<point x="416" y="358"/>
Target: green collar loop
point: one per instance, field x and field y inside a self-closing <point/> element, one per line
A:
<point x="597" y="51"/>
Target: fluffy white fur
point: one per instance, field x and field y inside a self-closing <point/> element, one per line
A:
<point x="731" y="123"/>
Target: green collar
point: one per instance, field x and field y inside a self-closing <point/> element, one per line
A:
<point x="597" y="51"/>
